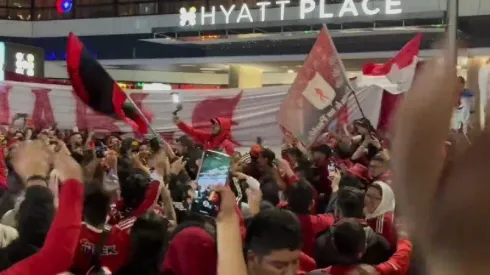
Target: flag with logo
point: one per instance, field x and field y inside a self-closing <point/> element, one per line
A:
<point x="318" y="93"/>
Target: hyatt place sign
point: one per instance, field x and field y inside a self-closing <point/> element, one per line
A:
<point x="307" y="8"/>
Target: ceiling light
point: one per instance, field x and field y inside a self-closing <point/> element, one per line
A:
<point x="290" y="71"/>
<point x="211" y="69"/>
<point x="187" y="65"/>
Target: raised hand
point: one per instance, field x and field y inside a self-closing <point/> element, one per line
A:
<point x="421" y="129"/>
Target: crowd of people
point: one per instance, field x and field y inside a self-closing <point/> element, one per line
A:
<point x="86" y="203"/>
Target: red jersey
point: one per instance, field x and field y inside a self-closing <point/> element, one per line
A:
<point x="114" y="252"/>
<point x="398" y="264"/>
<point x="151" y="196"/>
<point x="311" y="226"/>
<point x="385" y="226"/>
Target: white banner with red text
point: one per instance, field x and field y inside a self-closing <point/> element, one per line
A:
<point x="253" y="110"/>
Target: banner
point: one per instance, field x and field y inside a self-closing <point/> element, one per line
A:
<point x="254" y="110"/>
<point x="318" y="92"/>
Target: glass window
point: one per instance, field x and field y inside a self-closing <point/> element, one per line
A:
<point x="94" y="2"/>
<point x="19" y="3"/>
<point x="19" y="14"/>
<point x="137" y="9"/>
<point x="50" y="14"/>
<point x="170" y="7"/>
<point x="44" y="3"/>
<point x="95" y="11"/>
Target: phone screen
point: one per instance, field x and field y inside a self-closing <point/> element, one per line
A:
<point x="100" y="151"/>
<point x="331" y="168"/>
<point x="214" y="171"/>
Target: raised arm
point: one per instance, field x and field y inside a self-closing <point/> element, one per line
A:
<point x="58" y="251"/>
<point x="191" y="131"/>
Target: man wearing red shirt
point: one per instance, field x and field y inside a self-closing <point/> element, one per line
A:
<point x="115" y="247"/>
<point x="139" y="193"/>
<point x="300" y="199"/>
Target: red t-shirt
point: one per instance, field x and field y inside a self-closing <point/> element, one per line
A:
<point x="151" y="196"/>
<point x="311" y="226"/>
<point x="114" y="252"/>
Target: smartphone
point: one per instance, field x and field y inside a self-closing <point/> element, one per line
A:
<point x="100" y="151"/>
<point x="331" y="168"/>
<point x="214" y="171"/>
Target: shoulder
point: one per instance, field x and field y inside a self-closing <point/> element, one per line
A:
<point x="193" y="236"/>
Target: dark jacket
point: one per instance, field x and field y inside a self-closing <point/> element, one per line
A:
<point x="378" y="250"/>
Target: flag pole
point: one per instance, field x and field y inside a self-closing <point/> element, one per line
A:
<point x="353" y="92"/>
<point x="452" y="28"/>
<point x="142" y="115"/>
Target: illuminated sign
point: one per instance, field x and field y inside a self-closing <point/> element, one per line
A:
<point x="24" y="59"/>
<point x="24" y="63"/>
<point x="307" y="9"/>
<point x="64" y="6"/>
<point x="156" y="87"/>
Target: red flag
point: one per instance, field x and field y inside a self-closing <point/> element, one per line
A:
<point x="319" y="91"/>
<point x="396" y="75"/>
<point x="96" y="88"/>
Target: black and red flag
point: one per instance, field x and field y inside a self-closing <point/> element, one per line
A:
<point x="96" y="88"/>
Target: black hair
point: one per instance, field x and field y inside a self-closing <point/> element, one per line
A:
<point x="273" y="229"/>
<point x="34" y="219"/>
<point x="185" y="141"/>
<point x="324" y="149"/>
<point x="365" y="123"/>
<point x="133" y="188"/>
<point x="350" y="202"/>
<point x="148" y="237"/>
<point x="349" y="238"/>
<point x="96" y="205"/>
<point x="154" y="144"/>
<point x="191" y="158"/>
<point x="301" y="159"/>
<point x="349" y="180"/>
<point x="126" y="147"/>
<point x="299" y="197"/>
<point x="344" y="149"/>
<point x="270" y="191"/>
<point x="269" y="155"/>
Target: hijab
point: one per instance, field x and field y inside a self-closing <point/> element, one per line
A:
<point x="387" y="203"/>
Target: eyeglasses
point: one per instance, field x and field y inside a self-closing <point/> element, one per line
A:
<point x="373" y="197"/>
